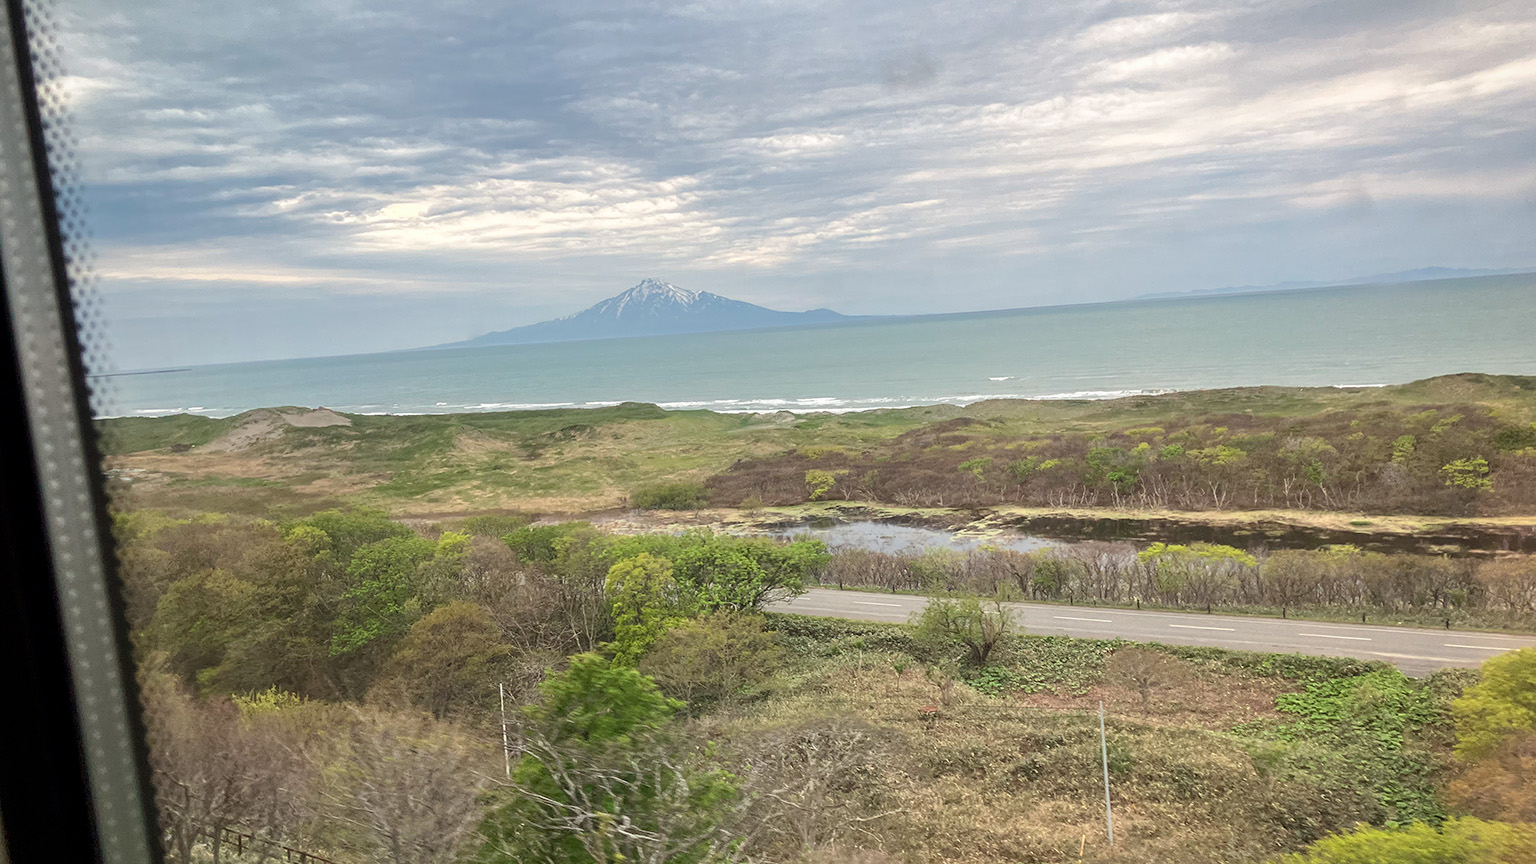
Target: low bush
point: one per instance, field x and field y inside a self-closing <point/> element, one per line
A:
<point x="712" y="659"/>
<point x="670" y="496"/>
<point x="495" y="524"/>
<point x="1458" y="840"/>
<point x="805" y="634"/>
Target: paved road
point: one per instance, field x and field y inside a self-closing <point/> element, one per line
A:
<point x="1415" y="651"/>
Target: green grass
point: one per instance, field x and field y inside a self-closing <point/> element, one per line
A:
<point x="135" y="434"/>
<point x="586" y="459"/>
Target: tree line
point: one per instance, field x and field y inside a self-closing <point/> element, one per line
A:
<point x="1335" y="579"/>
<point x="1455" y="460"/>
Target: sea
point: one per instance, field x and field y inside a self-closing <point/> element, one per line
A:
<point x="1357" y="336"/>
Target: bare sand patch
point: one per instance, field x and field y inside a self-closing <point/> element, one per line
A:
<point x="268" y="425"/>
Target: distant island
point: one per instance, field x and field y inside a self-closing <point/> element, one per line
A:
<point x="654" y="308"/>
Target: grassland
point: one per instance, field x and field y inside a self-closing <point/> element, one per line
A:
<point x="583" y="461"/>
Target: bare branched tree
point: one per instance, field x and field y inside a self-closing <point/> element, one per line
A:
<point x="818" y="782"/>
<point x="410" y="785"/>
<point x="1146" y="670"/>
<point x="214" y="772"/>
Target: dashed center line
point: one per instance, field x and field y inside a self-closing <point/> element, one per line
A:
<point x="1095" y="620"/>
<point x="870" y="603"/>
<point x="1477" y="647"/>
<point x="1416" y="657"/>
<point x="1198" y="627"/>
<point x="1327" y="636"/>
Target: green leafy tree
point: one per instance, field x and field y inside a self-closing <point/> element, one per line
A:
<point x="969" y="623"/>
<point x="1503" y="703"/>
<point x="197" y="618"/>
<point x="977" y="466"/>
<point x="1457" y="841"/>
<point x="349" y="530"/>
<point x="747" y="573"/>
<point x="646" y="602"/>
<point x="448" y="661"/>
<point x="601" y="781"/>
<point x="387" y="581"/>
<point x="1199" y="573"/>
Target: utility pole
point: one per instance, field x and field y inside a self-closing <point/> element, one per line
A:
<point x="506" y="747"/>
<point x="1109" y="815"/>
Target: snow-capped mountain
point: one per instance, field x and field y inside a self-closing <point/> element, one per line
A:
<point x="654" y="308"/>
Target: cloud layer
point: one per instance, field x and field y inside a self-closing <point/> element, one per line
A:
<point x="439" y="170"/>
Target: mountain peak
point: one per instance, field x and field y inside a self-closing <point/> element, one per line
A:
<point x="649" y="287"/>
<point x="655" y="307"/>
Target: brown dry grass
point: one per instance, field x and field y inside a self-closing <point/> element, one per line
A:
<point x="995" y="780"/>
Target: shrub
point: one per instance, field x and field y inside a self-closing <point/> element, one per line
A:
<point x="539" y="543"/>
<point x="715" y="658"/>
<point x="448" y="660"/>
<point x="972" y="624"/>
<point x="1145" y="670"/>
<point x="834" y="635"/>
<point x="1503" y="785"/>
<point x="495" y="524"/>
<point x="1458" y="840"/>
<point x="670" y="496"/>
<point x="819" y="482"/>
<point x="1503" y="703"/>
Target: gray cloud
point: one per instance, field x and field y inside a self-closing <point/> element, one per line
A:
<point x="437" y="168"/>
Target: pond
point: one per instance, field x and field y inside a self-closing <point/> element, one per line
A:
<point x="1052" y="531"/>
<point x="893" y="538"/>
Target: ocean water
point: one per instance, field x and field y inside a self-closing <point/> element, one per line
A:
<point x="1347" y="337"/>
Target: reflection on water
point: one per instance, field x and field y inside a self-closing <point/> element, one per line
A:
<point x="886" y="537"/>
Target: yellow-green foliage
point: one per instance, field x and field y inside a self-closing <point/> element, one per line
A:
<point x="816" y="451"/>
<point x="1458" y="841"/>
<point x="646" y="603"/>
<point x="1501" y="704"/>
<point x="1471" y="473"/>
<point x="821" y="482"/>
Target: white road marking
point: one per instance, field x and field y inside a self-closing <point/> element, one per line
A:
<point x="1417" y="657"/>
<point x="1326" y="636"/>
<point x="1198" y="627"/>
<point x="869" y="603"/>
<point x="1478" y="647"/>
<point x="799" y="608"/>
<point x="1095" y="620"/>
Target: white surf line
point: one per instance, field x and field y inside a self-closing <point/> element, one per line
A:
<point x="1328" y="636"/>
<point x="872" y="603"/>
<point x="1478" y="647"/>
<point x="1198" y="627"/>
<point x="1094" y="620"/>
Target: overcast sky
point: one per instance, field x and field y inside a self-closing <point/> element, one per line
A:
<point x="302" y="178"/>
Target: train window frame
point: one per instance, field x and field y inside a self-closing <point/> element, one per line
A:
<point x="75" y="785"/>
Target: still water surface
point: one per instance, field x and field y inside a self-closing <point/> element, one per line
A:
<point x="1356" y="336"/>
